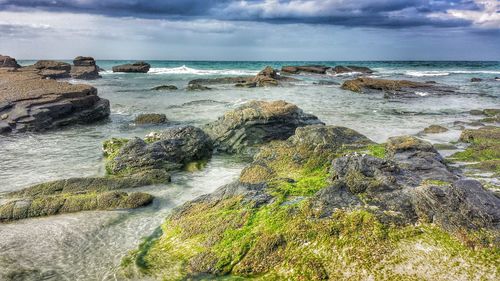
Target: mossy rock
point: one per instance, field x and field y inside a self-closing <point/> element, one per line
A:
<point x="435" y="129"/>
<point x="150" y="118"/>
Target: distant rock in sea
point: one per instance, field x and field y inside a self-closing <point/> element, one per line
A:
<point x="85" y="68"/>
<point x="323" y="69"/>
<point x="139" y="66"/>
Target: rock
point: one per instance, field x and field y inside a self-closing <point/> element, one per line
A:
<point x="164" y="88"/>
<point x="326" y="82"/>
<point x="222" y="80"/>
<point x="315" y="69"/>
<point x="85" y="68"/>
<point x="463" y="204"/>
<point x="197" y="87"/>
<point x="175" y="148"/>
<point x="435" y="129"/>
<point x="255" y="123"/>
<point x="150" y="118"/>
<point x="84" y="61"/>
<point x="139" y="66"/>
<point x="53" y="205"/>
<point x="476" y="79"/>
<point x="396" y="88"/>
<point x="53" y="69"/>
<point x="32" y="103"/>
<point x="267" y="77"/>
<point x="79" y="194"/>
<point x="331" y="137"/>
<point x="8" y="62"/>
<point x="339" y="69"/>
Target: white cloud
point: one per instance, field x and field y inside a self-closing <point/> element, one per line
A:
<point x="487" y="17"/>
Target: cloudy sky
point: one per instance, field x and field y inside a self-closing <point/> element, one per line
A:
<point x="252" y="29"/>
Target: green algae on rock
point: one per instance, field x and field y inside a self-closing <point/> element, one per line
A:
<point x="150" y="118"/>
<point x="255" y="123"/>
<point x="169" y="150"/>
<point x="295" y="214"/>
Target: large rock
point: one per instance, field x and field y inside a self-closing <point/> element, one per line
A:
<point x="139" y="66"/>
<point x="150" y="118"/>
<point x="84" y="68"/>
<point x="53" y="69"/>
<point x="397" y="88"/>
<point x="255" y="123"/>
<point x="173" y="148"/>
<point x="28" y="102"/>
<point x="8" y="62"/>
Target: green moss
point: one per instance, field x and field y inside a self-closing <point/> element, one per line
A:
<point x="435" y="182"/>
<point x="112" y="146"/>
<point x="377" y="150"/>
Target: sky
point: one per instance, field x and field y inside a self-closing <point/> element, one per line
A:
<point x="251" y="29"/>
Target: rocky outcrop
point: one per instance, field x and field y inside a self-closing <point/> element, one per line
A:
<point x="322" y="69"/>
<point x="139" y="66"/>
<point x="79" y="194"/>
<point x="30" y="103"/>
<point x="339" y="69"/>
<point x="164" y="88"/>
<point x="84" y="68"/>
<point x="297" y="69"/>
<point x="170" y="150"/>
<point x="255" y="123"/>
<point x="396" y="88"/>
<point x="353" y="203"/>
<point x="8" y="62"/>
<point x="150" y="118"/>
<point x="53" y="69"/>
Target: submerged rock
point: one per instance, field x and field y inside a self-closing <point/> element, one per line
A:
<point x="164" y="88"/>
<point x="79" y="194"/>
<point x="255" y="123"/>
<point x="174" y="148"/>
<point x="435" y="129"/>
<point x="85" y="68"/>
<point x="8" y="62"/>
<point x="197" y="87"/>
<point x="222" y="80"/>
<point x="30" y="103"/>
<point x="139" y="66"/>
<point x="397" y="88"/>
<point x="150" y="118"/>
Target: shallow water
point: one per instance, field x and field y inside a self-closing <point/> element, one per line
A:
<point x="89" y="245"/>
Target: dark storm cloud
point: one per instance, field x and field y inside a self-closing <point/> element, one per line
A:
<point x="368" y="13"/>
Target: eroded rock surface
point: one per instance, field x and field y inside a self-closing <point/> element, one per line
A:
<point x="8" y="62"/>
<point x="28" y="102"/>
<point x="255" y="123"/>
<point x="139" y="66"/>
<point x="84" y="68"/>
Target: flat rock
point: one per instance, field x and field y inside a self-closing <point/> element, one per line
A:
<point x="297" y="69"/>
<point x="53" y="69"/>
<point x="84" y="68"/>
<point x="150" y="118"/>
<point x="396" y="88"/>
<point x="339" y="69"/>
<point x="28" y="102"/>
<point x="255" y="123"/>
<point x="139" y="66"/>
<point x="164" y="88"/>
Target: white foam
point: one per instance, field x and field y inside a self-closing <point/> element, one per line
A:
<point x="193" y="71"/>
<point x="422" y="94"/>
<point x="427" y="73"/>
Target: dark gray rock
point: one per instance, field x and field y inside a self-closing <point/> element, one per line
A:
<point x="465" y="203"/>
<point x="340" y="69"/>
<point x="255" y="123"/>
<point x="297" y="69"/>
<point x="174" y="148"/>
<point x="8" y="62"/>
<point x="150" y="118"/>
<point x="139" y="66"/>
<point x="164" y="88"/>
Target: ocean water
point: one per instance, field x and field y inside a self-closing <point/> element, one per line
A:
<point x="90" y="245"/>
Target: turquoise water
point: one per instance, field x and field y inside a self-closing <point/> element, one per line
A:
<point x="89" y="245"/>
